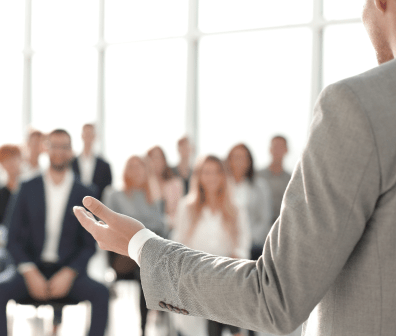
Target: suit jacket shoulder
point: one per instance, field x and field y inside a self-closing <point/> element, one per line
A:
<point x="376" y="92"/>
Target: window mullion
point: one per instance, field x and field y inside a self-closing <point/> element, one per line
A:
<point x="192" y="74"/>
<point x="27" y="70"/>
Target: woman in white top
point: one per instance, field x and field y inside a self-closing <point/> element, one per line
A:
<point x="207" y="220"/>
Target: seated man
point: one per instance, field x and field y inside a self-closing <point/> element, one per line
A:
<point x="47" y="243"/>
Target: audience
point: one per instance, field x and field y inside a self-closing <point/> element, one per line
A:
<point x="89" y="168"/>
<point x="228" y="211"/>
<point x="275" y="175"/>
<point x="34" y="148"/>
<point x="171" y="187"/>
<point x="251" y="193"/>
<point x="208" y="220"/>
<point x="141" y="199"/>
<point x="183" y="169"/>
<point x="48" y="244"/>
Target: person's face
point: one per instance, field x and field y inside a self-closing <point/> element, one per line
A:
<point x="278" y="149"/>
<point x="379" y="20"/>
<point x="211" y="177"/>
<point x="158" y="161"/>
<point x="35" y="144"/>
<point x="136" y="172"/>
<point x="239" y="162"/>
<point x="185" y="150"/>
<point x="88" y="135"/>
<point x="12" y="166"/>
<point x="59" y="151"/>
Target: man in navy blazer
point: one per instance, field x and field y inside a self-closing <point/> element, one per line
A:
<point x="49" y="246"/>
<point x="91" y="170"/>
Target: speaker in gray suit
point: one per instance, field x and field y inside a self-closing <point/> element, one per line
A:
<point x="329" y="259"/>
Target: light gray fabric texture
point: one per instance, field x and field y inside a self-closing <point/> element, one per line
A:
<point x="330" y="258"/>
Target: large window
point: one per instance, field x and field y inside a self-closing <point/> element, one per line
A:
<point x="145" y="89"/>
<point x="64" y="65"/>
<point x="347" y="52"/>
<point x="148" y="72"/>
<point x="131" y="20"/>
<point x="249" y="92"/>
<point x="12" y="18"/>
<point x="229" y="15"/>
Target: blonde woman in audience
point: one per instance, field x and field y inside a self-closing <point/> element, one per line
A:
<point x="208" y="220"/>
<point x="171" y="186"/>
<point x="140" y="199"/>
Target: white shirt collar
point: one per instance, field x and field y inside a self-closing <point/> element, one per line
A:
<point x="67" y="180"/>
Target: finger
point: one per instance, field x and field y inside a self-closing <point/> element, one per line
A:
<point x="85" y="220"/>
<point x="99" y="209"/>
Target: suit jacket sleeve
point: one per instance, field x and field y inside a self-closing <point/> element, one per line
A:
<point x="17" y="222"/>
<point x="330" y="199"/>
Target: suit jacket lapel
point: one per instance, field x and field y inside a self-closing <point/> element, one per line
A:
<point x="66" y="216"/>
<point x="41" y="213"/>
<point x="95" y="171"/>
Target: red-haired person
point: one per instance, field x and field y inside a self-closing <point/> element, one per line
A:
<point x="140" y="198"/>
<point x="208" y="220"/>
<point x="10" y="160"/>
<point x="170" y="185"/>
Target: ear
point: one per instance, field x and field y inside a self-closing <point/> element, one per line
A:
<point x="381" y="5"/>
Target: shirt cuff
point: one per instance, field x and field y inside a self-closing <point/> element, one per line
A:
<point x="25" y="267"/>
<point x="137" y="242"/>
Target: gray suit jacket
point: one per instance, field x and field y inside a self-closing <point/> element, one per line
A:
<point x="330" y="259"/>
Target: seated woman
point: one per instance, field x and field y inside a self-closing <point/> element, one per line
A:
<point x="208" y="220"/>
<point x="139" y="199"/>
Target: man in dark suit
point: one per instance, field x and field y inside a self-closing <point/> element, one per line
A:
<point x="50" y="248"/>
<point x="90" y="169"/>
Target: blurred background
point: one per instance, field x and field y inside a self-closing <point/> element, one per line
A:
<point x="148" y="72"/>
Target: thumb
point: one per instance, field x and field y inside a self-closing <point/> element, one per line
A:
<point x="99" y="209"/>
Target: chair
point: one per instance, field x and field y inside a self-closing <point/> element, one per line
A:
<point x="57" y="304"/>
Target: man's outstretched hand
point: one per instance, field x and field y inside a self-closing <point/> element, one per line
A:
<point x="113" y="232"/>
